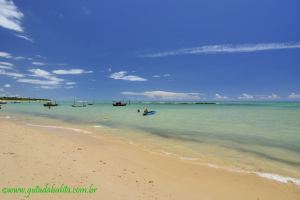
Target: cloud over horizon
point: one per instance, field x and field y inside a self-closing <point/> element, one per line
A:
<point x="246" y="96"/>
<point x="165" y="95"/>
<point x="293" y="95"/>
<point x="220" y="97"/>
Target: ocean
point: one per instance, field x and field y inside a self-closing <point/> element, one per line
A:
<point x="250" y="137"/>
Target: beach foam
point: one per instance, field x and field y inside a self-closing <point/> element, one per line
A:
<point x="6" y="117"/>
<point x="98" y="126"/>
<point x="61" y="127"/>
<point x="188" y="158"/>
<point x="270" y="176"/>
<point x="279" y="178"/>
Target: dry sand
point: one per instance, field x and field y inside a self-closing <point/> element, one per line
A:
<point x="31" y="156"/>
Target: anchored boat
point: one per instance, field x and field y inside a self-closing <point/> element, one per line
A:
<point x="119" y="103"/>
<point x="50" y="104"/>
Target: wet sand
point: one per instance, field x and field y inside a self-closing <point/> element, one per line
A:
<point x="33" y="156"/>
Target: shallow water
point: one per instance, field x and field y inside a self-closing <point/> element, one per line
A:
<point x="253" y="136"/>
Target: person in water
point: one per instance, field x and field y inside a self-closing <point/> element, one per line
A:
<point x="146" y="110"/>
<point x="138" y="110"/>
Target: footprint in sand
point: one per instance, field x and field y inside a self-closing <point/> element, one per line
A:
<point x="104" y="163"/>
<point x="8" y="153"/>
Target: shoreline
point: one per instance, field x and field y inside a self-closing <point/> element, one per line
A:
<point x="96" y="129"/>
<point x="132" y="173"/>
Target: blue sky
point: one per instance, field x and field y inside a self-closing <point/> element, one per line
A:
<point x="157" y="50"/>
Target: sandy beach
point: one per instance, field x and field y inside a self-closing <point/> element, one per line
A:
<point x="33" y="156"/>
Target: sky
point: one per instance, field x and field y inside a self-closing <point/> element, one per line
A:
<point x="167" y="50"/>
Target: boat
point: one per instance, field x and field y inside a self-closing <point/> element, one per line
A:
<point x="90" y="104"/>
<point x="151" y="112"/>
<point x="3" y="102"/>
<point x="206" y="103"/>
<point x="78" y="105"/>
<point x="82" y="104"/>
<point x="50" y="104"/>
<point x="119" y="103"/>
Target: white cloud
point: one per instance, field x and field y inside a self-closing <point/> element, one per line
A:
<point x="20" y="58"/>
<point x="38" y="63"/>
<point x="246" y="97"/>
<point x="164" y="95"/>
<point x="40" y="73"/>
<point x="158" y="76"/>
<point x="47" y="81"/>
<point x="6" y="64"/>
<point x="294" y="96"/>
<point x="272" y="96"/>
<point x="70" y="83"/>
<point x="70" y="71"/>
<point x="38" y="82"/>
<point x="40" y="56"/>
<point x="259" y="97"/>
<point x="11" y="74"/>
<point x="10" y="16"/>
<point x="8" y="55"/>
<point x="220" y="97"/>
<point x="24" y="37"/>
<point x="122" y="75"/>
<point x="7" y="85"/>
<point x="5" y="67"/>
<point x="227" y="48"/>
<point x="5" y="54"/>
<point x="48" y="87"/>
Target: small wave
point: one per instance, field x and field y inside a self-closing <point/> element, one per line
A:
<point x="62" y="127"/>
<point x="5" y="117"/>
<point x="188" y="158"/>
<point x="167" y="153"/>
<point x="213" y="166"/>
<point x="98" y="126"/>
<point x="279" y="178"/>
<point x="270" y="176"/>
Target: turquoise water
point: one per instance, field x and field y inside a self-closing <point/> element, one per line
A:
<point x="260" y="136"/>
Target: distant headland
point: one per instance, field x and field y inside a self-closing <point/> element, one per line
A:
<point x="22" y="99"/>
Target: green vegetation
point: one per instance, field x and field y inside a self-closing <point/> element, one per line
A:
<point x="22" y="99"/>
